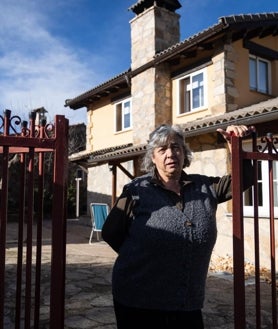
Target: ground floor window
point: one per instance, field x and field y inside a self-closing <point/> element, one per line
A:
<point x="263" y="191"/>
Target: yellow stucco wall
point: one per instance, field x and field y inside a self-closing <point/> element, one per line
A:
<point x="101" y="129"/>
<point x="227" y="88"/>
<point x="236" y="61"/>
<point x="247" y="96"/>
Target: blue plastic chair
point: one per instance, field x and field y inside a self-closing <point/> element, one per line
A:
<point x="99" y="212"/>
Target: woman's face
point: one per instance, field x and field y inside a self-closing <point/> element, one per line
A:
<point x="169" y="159"/>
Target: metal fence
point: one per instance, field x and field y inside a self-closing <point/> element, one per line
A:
<point x="264" y="150"/>
<point x="29" y="142"/>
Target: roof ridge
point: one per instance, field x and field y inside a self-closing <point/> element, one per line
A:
<point x="240" y="18"/>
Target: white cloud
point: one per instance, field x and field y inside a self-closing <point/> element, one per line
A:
<point x="36" y="67"/>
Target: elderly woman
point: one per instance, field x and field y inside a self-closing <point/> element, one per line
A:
<point x="163" y="227"/>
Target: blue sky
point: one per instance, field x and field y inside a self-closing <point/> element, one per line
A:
<point x="57" y="49"/>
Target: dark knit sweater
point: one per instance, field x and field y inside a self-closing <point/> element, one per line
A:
<point x="164" y="241"/>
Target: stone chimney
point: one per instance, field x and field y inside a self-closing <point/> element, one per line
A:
<point x="154" y="28"/>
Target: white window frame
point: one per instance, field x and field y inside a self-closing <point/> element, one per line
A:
<point x="257" y="88"/>
<point x="264" y="209"/>
<point x="190" y="87"/>
<point x="120" y="106"/>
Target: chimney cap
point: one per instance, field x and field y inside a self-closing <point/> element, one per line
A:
<point x="142" y="5"/>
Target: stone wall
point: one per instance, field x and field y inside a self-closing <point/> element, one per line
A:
<point x="163" y="95"/>
<point x="210" y="159"/>
<point x="100" y="183"/>
<point x="151" y="101"/>
<point x="219" y="99"/>
<point x="152" y="31"/>
<point x="143" y="105"/>
<point x="224" y="76"/>
<point x="230" y="75"/>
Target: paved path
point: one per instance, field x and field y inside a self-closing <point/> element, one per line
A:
<point x="88" y="302"/>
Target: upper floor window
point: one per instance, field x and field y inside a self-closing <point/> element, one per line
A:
<point x="263" y="191"/>
<point x="259" y="74"/>
<point x="123" y="115"/>
<point x="192" y="92"/>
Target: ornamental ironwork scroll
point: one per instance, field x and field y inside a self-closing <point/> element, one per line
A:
<point x="269" y="144"/>
<point x="13" y="125"/>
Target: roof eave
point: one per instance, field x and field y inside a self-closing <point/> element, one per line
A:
<point x="234" y="23"/>
<point x="255" y="114"/>
<point x="252" y="120"/>
<point x="86" y="98"/>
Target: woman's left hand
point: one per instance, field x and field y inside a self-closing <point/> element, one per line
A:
<point x="239" y="131"/>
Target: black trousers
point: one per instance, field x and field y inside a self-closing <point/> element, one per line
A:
<point x="135" y="318"/>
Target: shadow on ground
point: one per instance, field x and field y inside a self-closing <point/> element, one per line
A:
<point x="88" y="302"/>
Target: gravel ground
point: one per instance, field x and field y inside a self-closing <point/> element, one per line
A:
<point x="225" y="264"/>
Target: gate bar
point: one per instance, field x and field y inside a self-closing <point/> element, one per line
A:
<point x="269" y="140"/>
<point x="238" y="235"/>
<point x="30" y="216"/>
<point x="58" y="262"/>
<point x="3" y="215"/>
<point x="39" y="232"/>
<point x="21" y="219"/>
<point x="256" y="236"/>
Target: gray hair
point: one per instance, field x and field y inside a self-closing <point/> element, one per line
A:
<point x="159" y="137"/>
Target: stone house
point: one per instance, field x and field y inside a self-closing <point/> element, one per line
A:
<point x="225" y="74"/>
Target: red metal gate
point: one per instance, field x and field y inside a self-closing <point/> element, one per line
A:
<point x="32" y="143"/>
<point x="265" y="151"/>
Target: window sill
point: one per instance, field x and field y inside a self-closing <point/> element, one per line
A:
<point x="192" y="112"/>
<point x="261" y="92"/>
<point x="230" y="215"/>
<point x="122" y="131"/>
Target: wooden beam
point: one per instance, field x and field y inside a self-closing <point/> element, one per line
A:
<point x="125" y="171"/>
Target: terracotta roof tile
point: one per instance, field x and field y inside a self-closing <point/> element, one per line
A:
<point x="225" y="22"/>
<point x="249" y="115"/>
<point x="264" y="111"/>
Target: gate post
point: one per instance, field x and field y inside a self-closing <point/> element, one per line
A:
<point x="3" y="214"/>
<point x="58" y="262"/>
<point x="238" y="234"/>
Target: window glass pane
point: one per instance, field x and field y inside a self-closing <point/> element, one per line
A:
<point x="262" y="76"/>
<point x="260" y="194"/>
<point x="184" y="95"/>
<point x="259" y="170"/>
<point x="248" y="194"/>
<point x="187" y="96"/>
<point x="197" y="91"/>
<point x="181" y="96"/>
<point x="275" y="170"/>
<point x="191" y="92"/>
<point x="252" y="74"/>
<point x="127" y="114"/>
<point x="260" y="184"/>
<point x="275" y="183"/>
<point x="248" y="197"/>
<point x="275" y="186"/>
<point x="263" y="190"/>
<point x="119" y="117"/>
